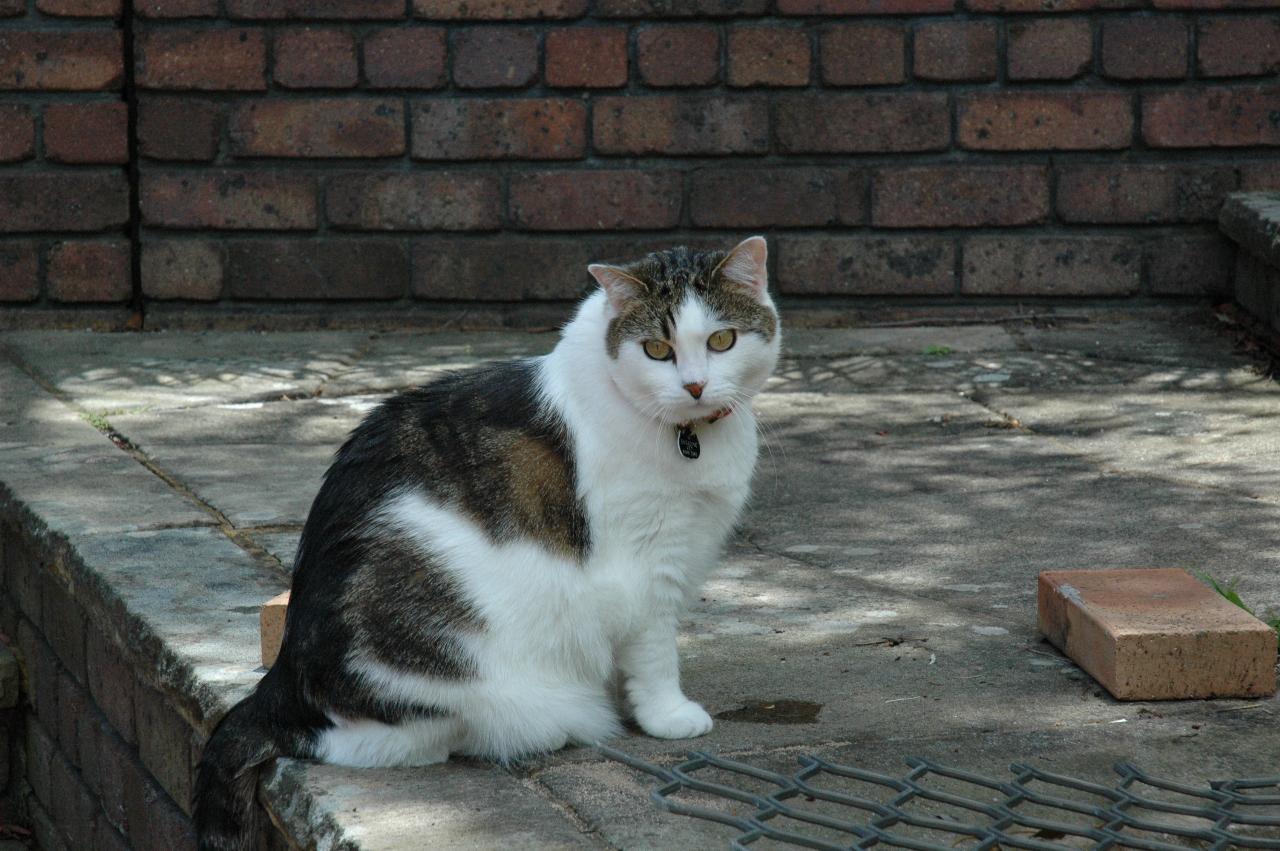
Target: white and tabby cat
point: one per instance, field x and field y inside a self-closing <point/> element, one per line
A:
<point x="489" y="552"/>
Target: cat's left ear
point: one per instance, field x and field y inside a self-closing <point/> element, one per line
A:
<point x="747" y="264"/>
<point x="616" y="283"/>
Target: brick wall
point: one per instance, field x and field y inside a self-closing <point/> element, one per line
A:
<point x="393" y="151"/>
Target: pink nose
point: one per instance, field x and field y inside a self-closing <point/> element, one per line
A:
<point x="695" y="390"/>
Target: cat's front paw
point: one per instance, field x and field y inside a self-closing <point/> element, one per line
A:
<point x="683" y="721"/>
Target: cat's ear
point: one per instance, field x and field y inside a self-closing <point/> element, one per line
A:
<point x="616" y="283"/>
<point x="747" y="265"/>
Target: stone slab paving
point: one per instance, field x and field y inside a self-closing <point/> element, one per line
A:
<point x="914" y="481"/>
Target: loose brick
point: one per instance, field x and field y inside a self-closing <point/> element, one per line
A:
<point x="1211" y="117"/>
<point x="88" y="271"/>
<point x="681" y="9"/>
<point x="495" y="57"/>
<point x="229" y="200"/>
<point x="176" y="8"/>
<point x="1051" y="121"/>
<point x="1156" y="634"/>
<point x="63" y="623"/>
<point x="1049" y="49"/>
<point x="203" y="60"/>
<point x="311" y="58"/>
<point x="959" y="196"/>
<point x="1050" y="266"/>
<point x="79" y="8"/>
<point x="1125" y="194"/>
<point x="417" y="201"/>
<point x="19" y="271"/>
<point x="86" y="132"/>
<point x="596" y="200"/>
<point x="405" y="58"/>
<point x="182" y="269"/>
<point x="307" y="269"/>
<point x="768" y="56"/>
<point x="594" y="57"/>
<point x="864" y="7"/>
<point x="62" y="201"/>
<point x="319" y="127"/>
<point x="777" y="197"/>
<point x="79" y="61"/>
<point x="669" y="124"/>
<point x="678" y="55"/>
<point x="861" y="265"/>
<point x="955" y="50"/>
<point x="863" y="55"/>
<point x="164" y="745"/>
<point x="179" y="128"/>
<point x="17" y="132"/>
<point x="849" y="123"/>
<point x="1245" y="46"/>
<point x="475" y="129"/>
<point x="330" y="9"/>
<point x="1191" y="265"/>
<point x="271" y="627"/>
<point x="1144" y="48"/>
<point x="498" y="10"/>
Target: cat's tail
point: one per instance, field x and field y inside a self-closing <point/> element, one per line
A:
<point x="227" y="779"/>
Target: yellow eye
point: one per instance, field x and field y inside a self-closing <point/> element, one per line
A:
<point x="722" y="341"/>
<point x="658" y="349"/>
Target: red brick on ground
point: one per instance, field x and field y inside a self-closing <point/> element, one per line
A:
<point x="272" y="627"/>
<point x="1157" y="634"/>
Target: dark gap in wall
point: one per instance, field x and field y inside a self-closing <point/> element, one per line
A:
<point x="137" y="302"/>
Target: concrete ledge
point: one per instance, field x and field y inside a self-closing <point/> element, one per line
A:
<point x="1252" y="220"/>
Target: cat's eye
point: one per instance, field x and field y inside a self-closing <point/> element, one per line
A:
<point x="722" y="340"/>
<point x="658" y="349"/>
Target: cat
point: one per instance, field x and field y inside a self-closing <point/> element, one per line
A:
<point x="488" y="552"/>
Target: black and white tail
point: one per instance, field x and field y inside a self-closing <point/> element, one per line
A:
<point x="227" y="780"/>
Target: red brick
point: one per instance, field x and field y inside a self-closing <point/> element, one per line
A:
<point x="229" y="200"/>
<point x="1135" y="194"/>
<point x="680" y="9"/>
<point x="849" y="123"/>
<point x="62" y="619"/>
<point x="111" y="683"/>
<point x="1043" y="6"/>
<point x="498" y="10"/>
<point x="72" y="807"/>
<point x="62" y="201"/>
<point x="595" y="200"/>
<point x="862" y="265"/>
<point x="1051" y="121"/>
<point x="179" y="128"/>
<point x="176" y="8"/>
<point x="86" y="132"/>
<point x="955" y="50"/>
<point x="863" y="55"/>
<point x="405" y="58"/>
<point x="418" y="201"/>
<point x="1260" y="175"/>
<point x="324" y="9"/>
<point x="182" y="269"/>
<point x="17" y="132"/>
<point x="19" y="271"/>
<point x="679" y="55"/>
<point x="318" y="127"/>
<point x="495" y="57"/>
<point x="271" y="627"/>
<point x="959" y="196"/>
<point x="85" y="60"/>
<point x="79" y="8"/>
<point x="89" y="271"/>
<point x="73" y="703"/>
<point x="103" y="759"/>
<point x="1049" y="49"/>
<point x="864" y="7"/>
<point x="670" y="124"/>
<point x="164" y="745"/>
<point x="768" y="56"/>
<point x="13" y="8"/>
<point x="1050" y="266"/>
<point x="504" y="269"/>
<point x="594" y="57"/>
<point x="157" y="823"/>
<point x="311" y="58"/>
<point x="1191" y="265"/>
<point x="1156" y="634"/>
<point x="473" y="129"/>
<point x="1144" y="48"/>
<point x="293" y="269"/>
<point x="1211" y="117"/>
<point x="206" y="60"/>
<point x="777" y="197"/>
<point x="1245" y="46"/>
<point x="1205" y="5"/>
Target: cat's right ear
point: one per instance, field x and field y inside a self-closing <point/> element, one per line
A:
<point x="616" y="283"/>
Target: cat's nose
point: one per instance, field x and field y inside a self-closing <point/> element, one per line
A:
<point x="695" y="390"/>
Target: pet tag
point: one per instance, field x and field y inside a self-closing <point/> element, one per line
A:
<point x="687" y="440"/>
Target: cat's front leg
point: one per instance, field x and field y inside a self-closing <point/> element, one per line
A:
<point x="651" y="670"/>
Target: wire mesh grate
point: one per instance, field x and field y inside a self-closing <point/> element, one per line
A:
<point x="934" y="807"/>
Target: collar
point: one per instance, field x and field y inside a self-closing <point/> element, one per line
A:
<point x="687" y="438"/>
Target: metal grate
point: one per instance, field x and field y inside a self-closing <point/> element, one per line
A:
<point x="934" y="807"/>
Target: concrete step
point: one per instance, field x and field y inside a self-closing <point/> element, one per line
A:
<point x="1252" y="220"/>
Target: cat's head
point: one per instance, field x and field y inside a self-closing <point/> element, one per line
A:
<point x="690" y="332"/>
